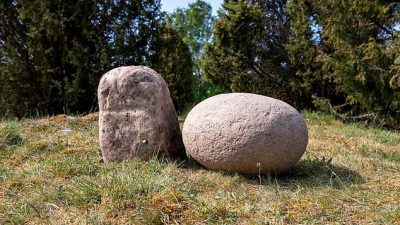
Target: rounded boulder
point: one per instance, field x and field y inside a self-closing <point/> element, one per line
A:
<point x="245" y="133"/>
<point x="136" y="116"/>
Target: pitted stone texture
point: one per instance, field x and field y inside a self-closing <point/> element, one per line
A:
<point x="137" y="117"/>
<point x="245" y="133"/>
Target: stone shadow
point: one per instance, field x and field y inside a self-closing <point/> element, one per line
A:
<point x="306" y="173"/>
<point x="319" y="173"/>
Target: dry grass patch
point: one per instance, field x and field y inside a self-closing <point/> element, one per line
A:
<point x="51" y="173"/>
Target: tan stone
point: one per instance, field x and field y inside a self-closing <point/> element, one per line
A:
<point x="137" y="117"/>
<point x="245" y="133"/>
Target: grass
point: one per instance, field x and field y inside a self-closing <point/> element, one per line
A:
<point x="10" y="134"/>
<point x="51" y="173"/>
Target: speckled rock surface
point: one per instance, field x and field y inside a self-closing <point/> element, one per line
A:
<point x="245" y="133"/>
<point x="137" y="117"/>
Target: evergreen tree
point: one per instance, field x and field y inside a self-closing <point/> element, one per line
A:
<point x="247" y="53"/>
<point x="194" y="23"/>
<point x="311" y="77"/>
<point x="54" y="52"/>
<point x="349" y="43"/>
<point x="172" y="59"/>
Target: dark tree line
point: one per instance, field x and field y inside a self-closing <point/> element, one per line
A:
<point x="339" y="55"/>
<point x="53" y="53"/>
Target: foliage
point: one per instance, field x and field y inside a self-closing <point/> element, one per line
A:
<point x="205" y="89"/>
<point x="311" y="77"/>
<point x="194" y="23"/>
<point x="174" y="62"/>
<point x="346" y="51"/>
<point x="343" y="53"/>
<point x="247" y="53"/>
<point x="54" y="52"/>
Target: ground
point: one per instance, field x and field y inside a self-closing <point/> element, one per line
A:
<point x="51" y="172"/>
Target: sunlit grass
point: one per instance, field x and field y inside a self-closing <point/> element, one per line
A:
<point x="51" y="173"/>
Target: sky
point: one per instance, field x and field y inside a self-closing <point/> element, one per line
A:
<point x="170" y="5"/>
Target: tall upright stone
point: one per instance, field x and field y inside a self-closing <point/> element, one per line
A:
<point x="137" y="117"/>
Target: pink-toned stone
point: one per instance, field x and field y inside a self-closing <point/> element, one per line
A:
<point x="245" y="133"/>
<point x="137" y="117"/>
